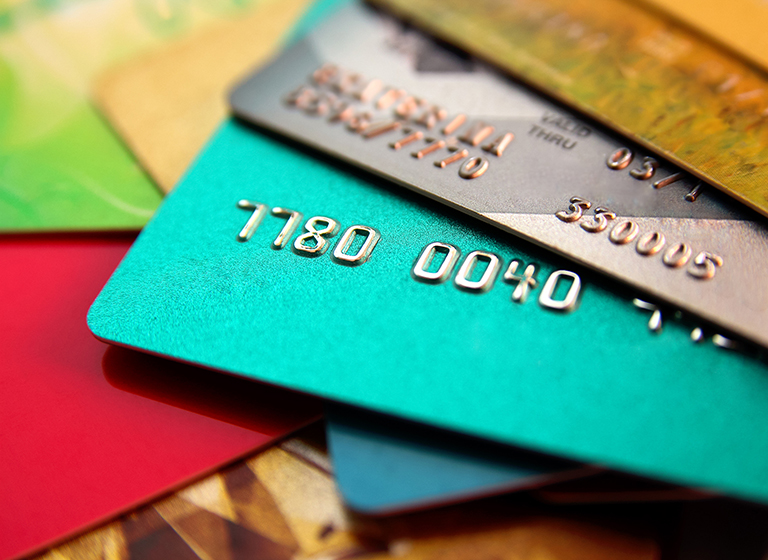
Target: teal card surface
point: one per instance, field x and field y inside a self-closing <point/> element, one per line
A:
<point x="439" y="344"/>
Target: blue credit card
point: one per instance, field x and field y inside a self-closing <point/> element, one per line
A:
<point x="385" y="466"/>
<point x="275" y="264"/>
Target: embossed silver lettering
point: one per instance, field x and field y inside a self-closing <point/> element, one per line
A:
<point x="291" y="223"/>
<point x="570" y="301"/>
<point x="321" y="104"/>
<point x="455" y="123"/>
<point x="525" y="281"/>
<point x="318" y="236"/>
<point x="431" y="116"/>
<point x="661" y="183"/>
<point x="381" y="127"/>
<point x="257" y="215"/>
<point x="325" y="73"/>
<point x="389" y="97"/>
<point x="486" y="281"/>
<point x="456" y="156"/>
<point x="412" y="137"/>
<point x="656" y="321"/>
<point x="647" y="170"/>
<point x="694" y="193"/>
<point x="301" y="97"/>
<point x="363" y="253"/>
<point x="432" y="147"/>
<point x="498" y="146"/>
<point x="476" y="133"/>
<point x="451" y="255"/>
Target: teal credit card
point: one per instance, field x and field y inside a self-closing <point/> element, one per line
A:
<point x="262" y="263"/>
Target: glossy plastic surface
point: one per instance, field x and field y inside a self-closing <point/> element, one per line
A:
<point x="84" y="432"/>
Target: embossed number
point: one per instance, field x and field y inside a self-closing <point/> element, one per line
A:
<point x="571" y="299"/>
<point x="525" y="281"/>
<point x="318" y="236"/>
<point x="705" y="265"/>
<point x="575" y="209"/>
<point x="647" y="170"/>
<point x="291" y="223"/>
<point x="450" y="256"/>
<point x="620" y="159"/>
<point x="259" y="210"/>
<point x="372" y="237"/>
<point x="599" y="220"/>
<point x="677" y="255"/>
<point x="485" y="282"/>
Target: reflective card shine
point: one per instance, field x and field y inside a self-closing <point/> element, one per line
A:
<point x="367" y="89"/>
<point x="270" y="263"/>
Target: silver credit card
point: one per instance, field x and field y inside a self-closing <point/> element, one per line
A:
<point x="364" y="88"/>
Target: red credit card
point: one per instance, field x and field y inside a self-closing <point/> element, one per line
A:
<point x="87" y="431"/>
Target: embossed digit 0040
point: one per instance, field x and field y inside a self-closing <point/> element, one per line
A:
<point x="485" y="282"/>
<point x="420" y="268"/>
<point x="546" y="297"/>
<point x="703" y="266"/>
<point x="524" y="283"/>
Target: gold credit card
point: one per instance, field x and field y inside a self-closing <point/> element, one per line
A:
<point x="166" y="104"/>
<point x="739" y="24"/>
<point x="678" y="93"/>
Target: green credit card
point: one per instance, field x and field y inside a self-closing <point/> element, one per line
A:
<point x="262" y="263"/>
<point x="61" y="167"/>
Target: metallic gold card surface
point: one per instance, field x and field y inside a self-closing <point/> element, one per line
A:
<point x="739" y="24"/>
<point x="167" y="103"/>
<point x="636" y="70"/>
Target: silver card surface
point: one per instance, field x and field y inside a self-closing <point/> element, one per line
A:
<point x="363" y="88"/>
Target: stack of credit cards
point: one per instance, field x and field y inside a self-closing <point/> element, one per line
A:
<point x="506" y="258"/>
